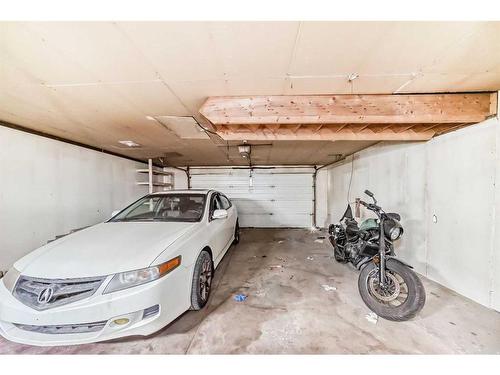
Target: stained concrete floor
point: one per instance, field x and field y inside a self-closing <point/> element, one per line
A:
<point x="289" y="311"/>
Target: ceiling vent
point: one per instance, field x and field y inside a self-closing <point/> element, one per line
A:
<point x="129" y="143"/>
<point x="126" y="145"/>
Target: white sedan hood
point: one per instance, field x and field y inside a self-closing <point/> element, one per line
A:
<point x="103" y="249"/>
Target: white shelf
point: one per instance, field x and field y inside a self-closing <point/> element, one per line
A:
<point x="151" y="172"/>
<point x="155" y="183"/>
<point x="156" y="172"/>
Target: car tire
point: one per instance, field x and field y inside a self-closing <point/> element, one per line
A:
<point x="202" y="280"/>
<point x="236" y="234"/>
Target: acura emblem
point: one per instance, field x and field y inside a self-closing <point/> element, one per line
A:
<point x="45" y="295"/>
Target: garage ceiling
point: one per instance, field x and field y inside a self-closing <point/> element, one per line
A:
<point x="101" y="83"/>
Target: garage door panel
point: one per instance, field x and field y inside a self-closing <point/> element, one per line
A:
<point x="263" y="195"/>
<point x="255" y="184"/>
<point x="216" y="177"/>
<point x="282" y="180"/>
<point x="289" y="193"/>
<point x="272" y="207"/>
<point x="274" y="221"/>
<point x="211" y="181"/>
<point x="266" y="197"/>
<point x="280" y="197"/>
<point x="207" y="171"/>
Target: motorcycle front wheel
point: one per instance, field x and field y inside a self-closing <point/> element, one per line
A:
<point x="401" y="299"/>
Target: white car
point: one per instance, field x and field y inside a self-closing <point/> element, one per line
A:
<point x="131" y="275"/>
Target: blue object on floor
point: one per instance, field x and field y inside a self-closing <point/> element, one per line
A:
<point x="240" y="297"/>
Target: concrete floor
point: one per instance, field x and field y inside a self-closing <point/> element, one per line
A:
<point x="289" y="311"/>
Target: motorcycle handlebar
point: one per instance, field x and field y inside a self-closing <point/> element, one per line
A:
<point x="371" y="195"/>
<point x="370" y="206"/>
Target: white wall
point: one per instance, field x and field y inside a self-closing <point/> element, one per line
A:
<point x="452" y="177"/>
<point x="180" y="177"/>
<point x="495" y="236"/>
<point x="48" y="188"/>
<point x="461" y="194"/>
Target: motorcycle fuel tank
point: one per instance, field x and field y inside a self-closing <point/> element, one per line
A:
<point x="369" y="224"/>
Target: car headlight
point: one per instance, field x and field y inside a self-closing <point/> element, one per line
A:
<point x="129" y="279"/>
<point x="395" y="233"/>
<point x="10" y="278"/>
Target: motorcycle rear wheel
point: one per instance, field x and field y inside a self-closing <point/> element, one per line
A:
<point x="401" y="300"/>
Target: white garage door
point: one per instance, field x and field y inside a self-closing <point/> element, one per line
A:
<point x="277" y="197"/>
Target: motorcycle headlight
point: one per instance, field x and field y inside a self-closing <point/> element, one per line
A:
<point x="395" y="233"/>
<point x="129" y="279"/>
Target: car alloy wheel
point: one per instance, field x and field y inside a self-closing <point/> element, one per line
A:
<point x="205" y="279"/>
<point x="202" y="280"/>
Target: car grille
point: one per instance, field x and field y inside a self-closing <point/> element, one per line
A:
<point x="64" y="329"/>
<point x="43" y="294"/>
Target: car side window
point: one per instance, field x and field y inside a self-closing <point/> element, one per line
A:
<point x="217" y="203"/>
<point x="226" y="203"/>
<point x="214" y="204"/>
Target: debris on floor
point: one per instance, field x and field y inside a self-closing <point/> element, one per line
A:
<point x="318" y="240"/>
<point x="321" y="237"/>
<point x="276" y="266"/>
<point x="328" y="288"/>
<point x="240" y="297"/>
<point x="310" y="258"/>
<point x="372" y="317"/>
<point x="259" y="293"/>
<point x="281" y="241"/>
<point x="280" y="258"/>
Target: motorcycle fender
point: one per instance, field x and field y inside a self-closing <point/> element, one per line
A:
<point x="400" y="261"/>
<point x="363" y="263"/>
<point x="367" y="260"/>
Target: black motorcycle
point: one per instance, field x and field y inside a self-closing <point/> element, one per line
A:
<point x="387" y="285"/>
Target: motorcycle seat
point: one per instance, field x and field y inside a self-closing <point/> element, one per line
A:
<point x="351" y="227"/>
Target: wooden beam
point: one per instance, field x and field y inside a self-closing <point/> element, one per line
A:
<point x="296" y="128"/>
<point x="354" y="132"/>
<point x="347" y="117"/>
<point x="318" y="128"/>
<point x="342" y="127"/>
<point x="359" y="109"/>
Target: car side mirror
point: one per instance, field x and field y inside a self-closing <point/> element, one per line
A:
<point x="114" y="213"/>
<point x="219" y="214"/>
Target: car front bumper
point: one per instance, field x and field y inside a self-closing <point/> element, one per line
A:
<point x="92" y="319"/>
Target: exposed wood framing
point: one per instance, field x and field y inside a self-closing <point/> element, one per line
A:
<point x="327" y="132"/>
<point x="346" y="117"/>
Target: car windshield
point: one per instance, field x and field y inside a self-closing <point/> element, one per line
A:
<point x="167" y="207"/>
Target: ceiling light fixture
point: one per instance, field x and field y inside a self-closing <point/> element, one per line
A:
<point x="244" y="151"/>
<point x="130" y="143"/>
